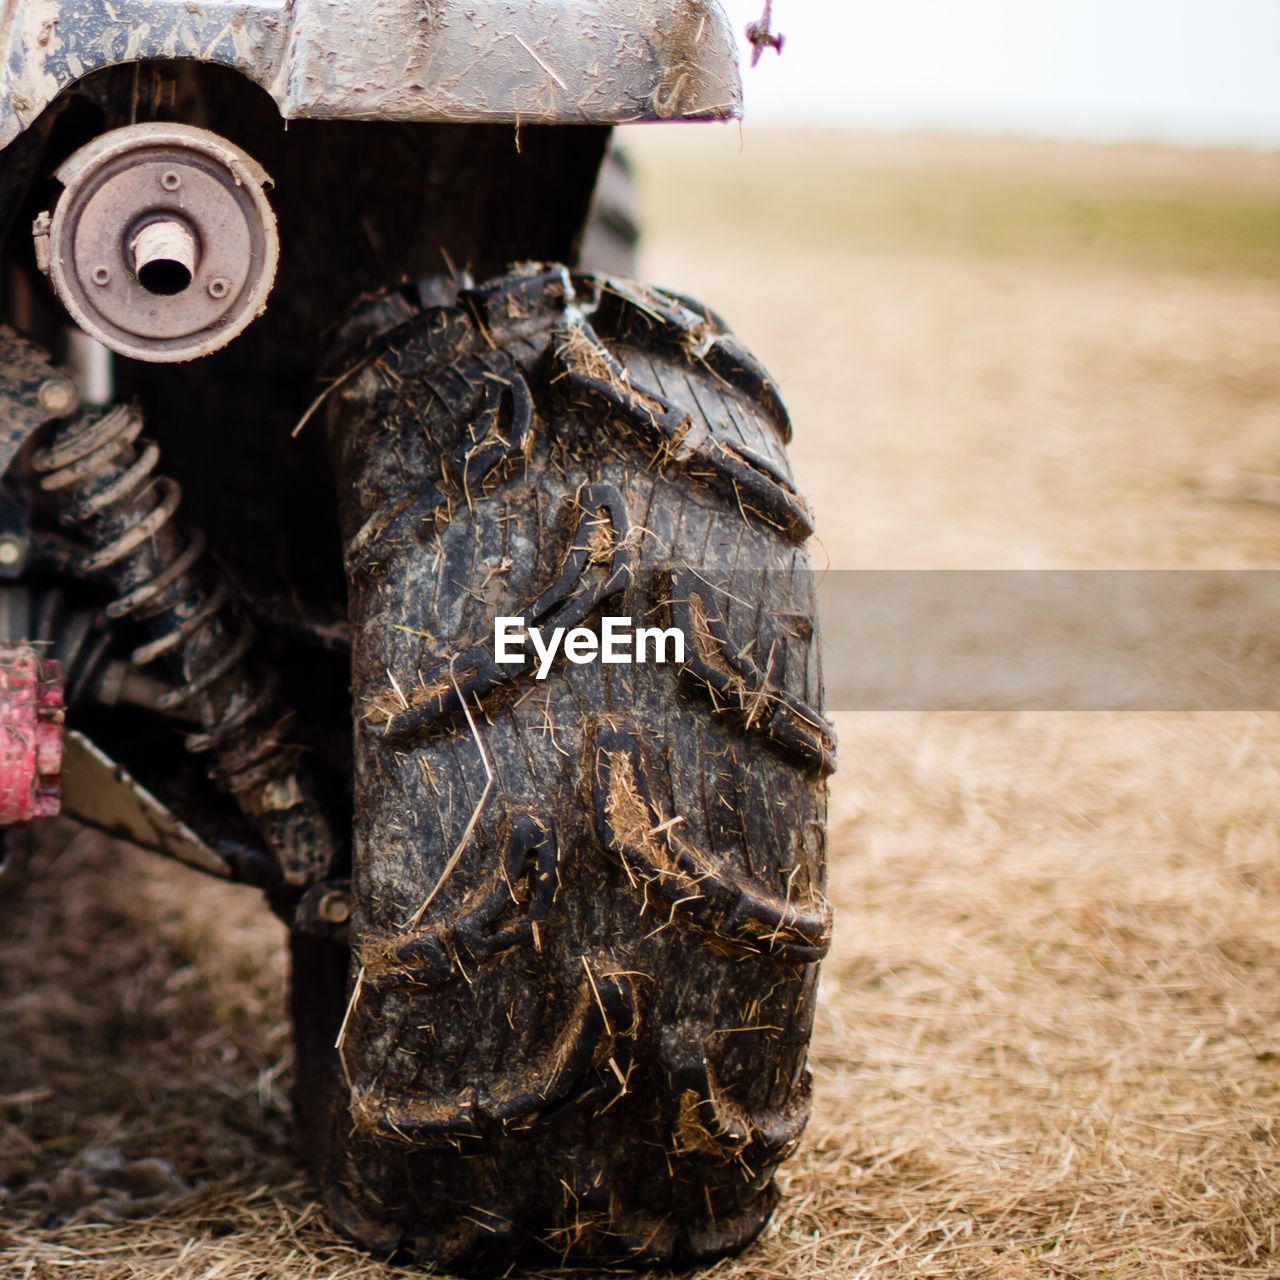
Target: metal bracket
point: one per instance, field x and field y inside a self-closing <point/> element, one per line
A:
<point x="103" y="794"/>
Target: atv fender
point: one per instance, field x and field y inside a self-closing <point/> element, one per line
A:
<point x="496" y="61"/>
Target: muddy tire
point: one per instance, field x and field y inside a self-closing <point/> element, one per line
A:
<point x="588" y="909"/>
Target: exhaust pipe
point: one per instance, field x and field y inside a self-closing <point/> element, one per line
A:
<point x="162" y="245"/>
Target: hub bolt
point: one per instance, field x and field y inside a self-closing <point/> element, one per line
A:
<point x="58" y="397"/>
<point x="334" y="908"/>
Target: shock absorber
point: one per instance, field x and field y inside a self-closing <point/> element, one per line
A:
<point x="100" y="473"/>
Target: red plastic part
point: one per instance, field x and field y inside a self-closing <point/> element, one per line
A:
<point x="31" y="718"/>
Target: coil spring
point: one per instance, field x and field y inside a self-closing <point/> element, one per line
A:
<point x="102" y="476"/>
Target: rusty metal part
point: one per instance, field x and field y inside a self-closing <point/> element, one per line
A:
<point x="102" y="794"/>
<point x="101" y="475"/>
<point x="499" y="61"/>
<point x="162" y="245"/>
<point x="31" y="718"/>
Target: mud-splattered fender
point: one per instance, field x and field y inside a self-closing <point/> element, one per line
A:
<point x="531" y="61"/>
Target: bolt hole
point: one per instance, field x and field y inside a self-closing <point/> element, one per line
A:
<point x="170" y="181"/>
<point x="164" y="276"/>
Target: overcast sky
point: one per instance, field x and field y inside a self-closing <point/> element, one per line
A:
<point x="1201" y="72"/>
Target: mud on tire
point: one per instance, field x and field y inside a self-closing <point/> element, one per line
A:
<point x="587" y="910"/>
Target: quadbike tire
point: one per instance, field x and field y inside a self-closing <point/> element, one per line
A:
<point x="587" y="909"/>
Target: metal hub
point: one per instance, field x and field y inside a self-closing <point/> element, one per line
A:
<point x="162" y="245"/>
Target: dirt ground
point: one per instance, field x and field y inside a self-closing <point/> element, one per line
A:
<point x="1049" y="1035"/>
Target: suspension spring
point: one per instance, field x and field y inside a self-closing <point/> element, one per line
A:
<point x="100" y="473"/>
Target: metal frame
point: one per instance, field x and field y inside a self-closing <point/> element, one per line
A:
<point x="514" y="61"/>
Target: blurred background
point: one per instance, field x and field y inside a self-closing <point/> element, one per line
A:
<point x="1015" y="265"/>
<point x="1190" y="72"/>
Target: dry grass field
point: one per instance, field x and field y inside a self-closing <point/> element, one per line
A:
<point x="1049" y="1036"/>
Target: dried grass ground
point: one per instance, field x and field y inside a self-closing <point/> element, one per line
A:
<point x="1049" y="1039"/>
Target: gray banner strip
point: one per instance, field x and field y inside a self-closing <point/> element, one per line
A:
<point x="1080" y="640"/>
